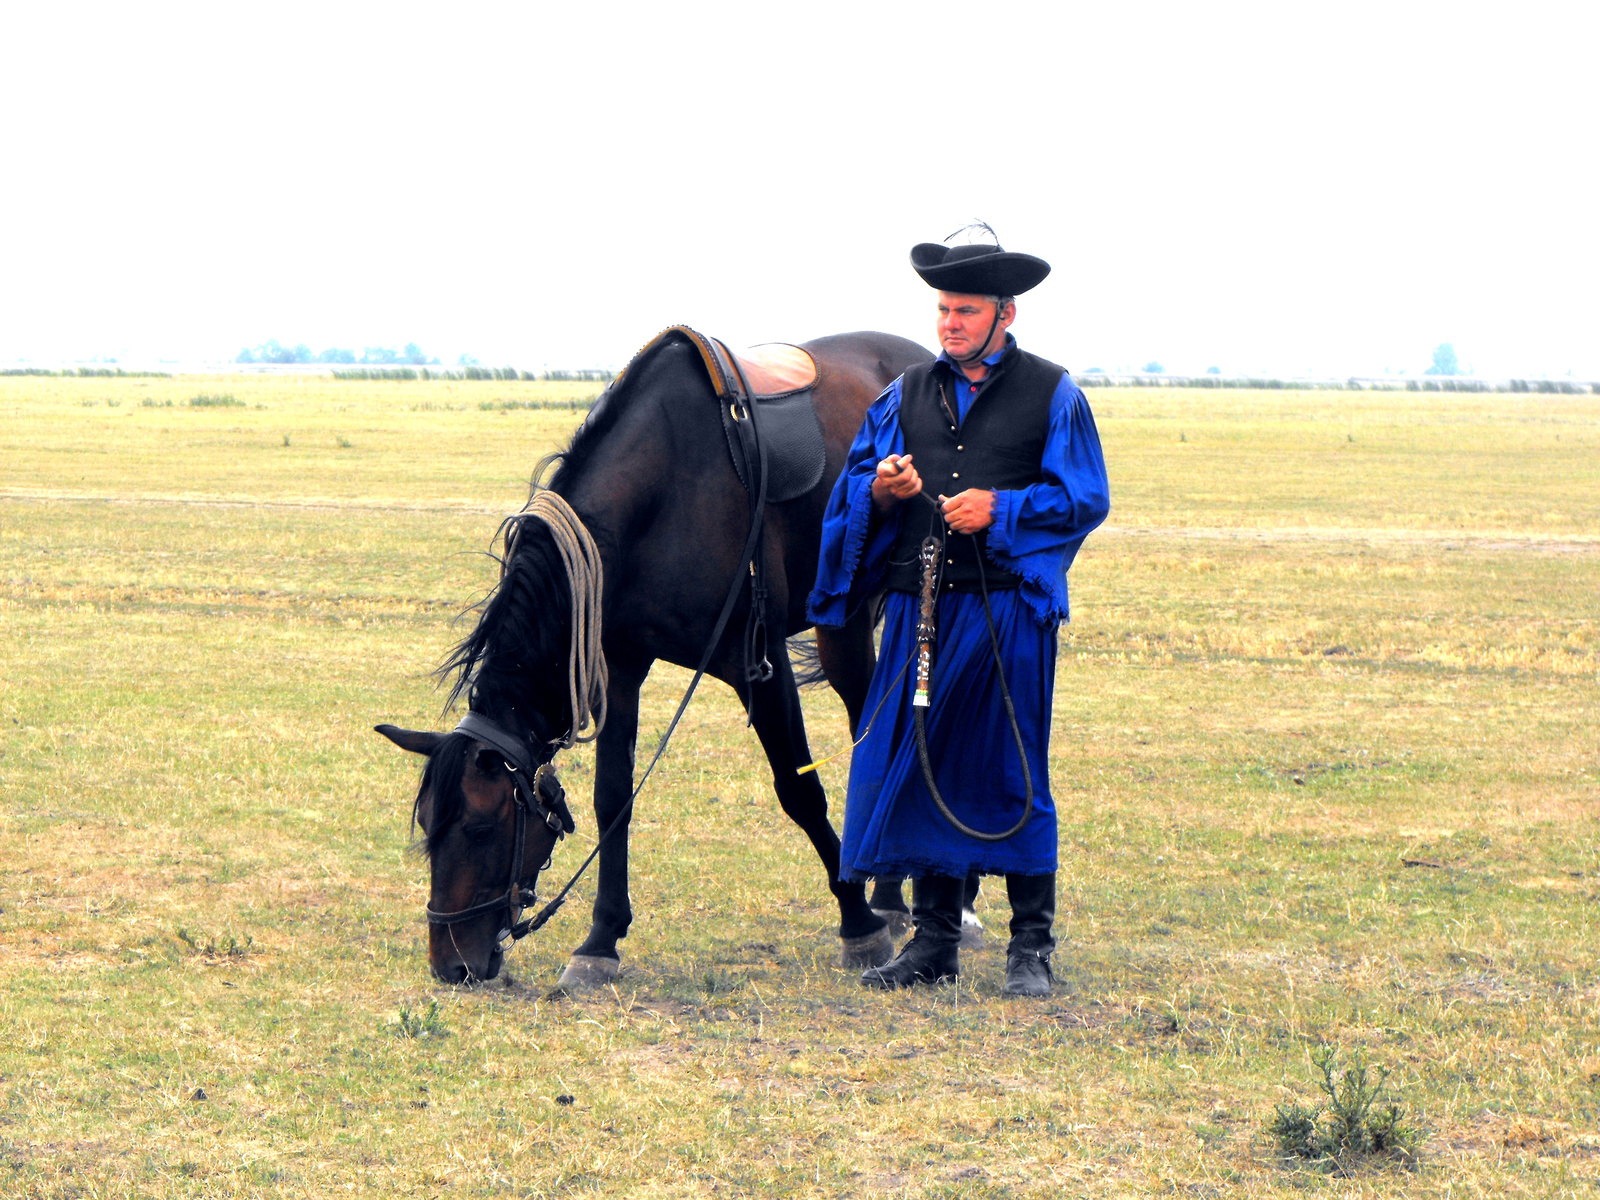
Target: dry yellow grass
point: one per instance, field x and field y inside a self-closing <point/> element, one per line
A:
<point x="1298" y="661"/>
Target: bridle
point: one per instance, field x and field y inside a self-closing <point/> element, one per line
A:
<point x="520" y="763"/>
<point x="530" y="782"/>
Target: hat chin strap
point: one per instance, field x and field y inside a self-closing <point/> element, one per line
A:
<point x="978" y="355"/>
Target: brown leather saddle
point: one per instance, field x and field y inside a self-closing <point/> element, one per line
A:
<point x="777" y="381"/>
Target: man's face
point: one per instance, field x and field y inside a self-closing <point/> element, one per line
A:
<point x="965" y="320"/>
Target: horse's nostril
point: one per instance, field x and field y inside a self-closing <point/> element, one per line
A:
<point x="454" y="973"/>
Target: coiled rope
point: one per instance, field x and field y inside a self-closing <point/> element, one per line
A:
<point x="586" y="673"/>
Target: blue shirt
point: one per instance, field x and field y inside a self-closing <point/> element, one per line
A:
<point x="1037" y="530"/>
<point x="965" y="388"/>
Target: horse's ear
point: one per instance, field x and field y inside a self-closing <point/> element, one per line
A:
<point x="417" y="741"/>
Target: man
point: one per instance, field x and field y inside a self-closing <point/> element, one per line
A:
<point x="1001" y="444"/>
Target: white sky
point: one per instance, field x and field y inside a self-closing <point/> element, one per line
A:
<point x="1282" y="187"/>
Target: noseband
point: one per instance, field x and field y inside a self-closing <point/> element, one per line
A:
<point x="530" y="783"/>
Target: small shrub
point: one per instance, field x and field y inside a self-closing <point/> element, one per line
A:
<point x="1294" y="1127"/>
<point x="1347" y="1124"/>
<point x="147" y="402"/>
<point x="344" y="442"/>
<point x="424" y="1025"/>
<point x="226" y="945"/>
<point x="224" y="401"/>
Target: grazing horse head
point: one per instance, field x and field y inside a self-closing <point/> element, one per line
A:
<point x="486" y="840"/>
<point x="489" y="806"/>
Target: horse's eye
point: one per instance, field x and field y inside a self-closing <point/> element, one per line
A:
<point x="480" y="833"/>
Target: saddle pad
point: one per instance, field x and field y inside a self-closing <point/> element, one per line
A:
<point x="776" y="369"/>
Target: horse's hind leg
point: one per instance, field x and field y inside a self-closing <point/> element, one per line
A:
<point x="775" y="713"/>
<point x="848" y="658"/>
<point x="596" y="961"/>
<point x="889" y="902"/>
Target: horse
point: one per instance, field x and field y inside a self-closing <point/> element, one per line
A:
<point x="648" y="474"/>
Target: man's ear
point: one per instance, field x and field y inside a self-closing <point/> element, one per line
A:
<point x="415" y="740"/>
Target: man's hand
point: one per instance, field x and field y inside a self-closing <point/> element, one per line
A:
<point x="969" y="511"/>
<point x="897" y="481"/>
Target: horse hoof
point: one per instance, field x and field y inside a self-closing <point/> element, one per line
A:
<point x="971" y="930"/>
<point x="899" y="920"/>
<point x="586" y="971"/>
<point x="871" y="950"/>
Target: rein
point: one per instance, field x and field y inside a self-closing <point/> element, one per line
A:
<point x="927" y="633"/>
<point x="584" y="558"/>
<point x="746" y="564"/>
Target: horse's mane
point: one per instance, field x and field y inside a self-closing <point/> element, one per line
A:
<point x="591" y="431"/>
<point x="516" y="653"/>
<point x="603" y="416"/>
<point x="519" y="646"/>
<point x="521" y="634"/>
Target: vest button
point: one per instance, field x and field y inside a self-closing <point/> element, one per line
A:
<point x="949" y="562"/>
<point x="960" y="447"/>
<point x="955" y="474"/>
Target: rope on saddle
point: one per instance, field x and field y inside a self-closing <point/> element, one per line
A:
<point x="586" y="671"/>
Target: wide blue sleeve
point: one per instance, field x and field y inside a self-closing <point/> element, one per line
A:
<point x="1038" y="529"/>
<point x="855" y="548"/>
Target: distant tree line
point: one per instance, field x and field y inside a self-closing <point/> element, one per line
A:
<point x="274" y="351"/>
<point x="474" y="371"/>
<point x="86" y="372"/>
<point x="1094" y="377"/>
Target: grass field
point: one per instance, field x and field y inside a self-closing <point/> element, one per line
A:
<point x="1327" y="634"/>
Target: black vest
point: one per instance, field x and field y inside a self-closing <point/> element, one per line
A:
<point x="999" y="446"/>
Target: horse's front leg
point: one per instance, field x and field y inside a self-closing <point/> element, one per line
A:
<point x="779" y="723"/>
<point x="596" y="961"/>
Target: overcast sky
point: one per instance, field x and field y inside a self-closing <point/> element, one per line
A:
<point x="1289" y="188"/>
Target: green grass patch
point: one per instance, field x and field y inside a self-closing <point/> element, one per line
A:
<point x="1323" y="754"/>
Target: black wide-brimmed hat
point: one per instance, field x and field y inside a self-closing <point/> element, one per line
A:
<point x="977" y="270"/>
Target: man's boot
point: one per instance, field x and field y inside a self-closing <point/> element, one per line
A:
<point x="931" y="954"/>
<point x="1033" y="911"/>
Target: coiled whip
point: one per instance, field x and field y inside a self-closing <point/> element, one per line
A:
<point x="927" y="634"/>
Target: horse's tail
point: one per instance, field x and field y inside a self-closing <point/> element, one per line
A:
<point x="806" y="661"/>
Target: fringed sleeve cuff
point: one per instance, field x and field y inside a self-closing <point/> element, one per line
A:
<point x="855" y="547"/>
